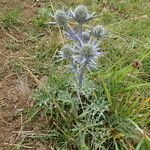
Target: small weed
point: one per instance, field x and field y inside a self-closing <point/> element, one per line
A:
<point x="16" y="66"/>
<point x="42" y="18"/>
<point x="11" y="18"/>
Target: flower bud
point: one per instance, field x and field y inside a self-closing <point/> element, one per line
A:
<point x="66" y="52"/>
<point x="85" y="36"/>
<point x="81" y="13"/>
<point x="136" y="64"/>
<point x="61" y="18"/>
<point x="98" y="31"/>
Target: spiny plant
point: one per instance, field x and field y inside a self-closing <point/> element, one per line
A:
<point x="112" y="112"/>
<point x="83" y="49"/>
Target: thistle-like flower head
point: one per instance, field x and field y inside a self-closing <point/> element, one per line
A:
<point x="98" y="31"/>
<point x="81" y="14"/>
<point x="66" y="52"/>
<point x="61" y="18"/>
<point x="85" y="36"/>
<point x="88" y="53"/>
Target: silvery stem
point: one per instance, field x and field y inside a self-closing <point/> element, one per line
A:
<point x="72" y="35"/>
<point x="75" y="71"/>
<point x="82" y="70"/>
<point x="80" y="30"/>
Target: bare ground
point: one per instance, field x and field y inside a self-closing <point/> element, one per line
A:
<point x="14" y="90"/>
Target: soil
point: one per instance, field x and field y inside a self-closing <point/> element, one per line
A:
<point x="14" y="90"/>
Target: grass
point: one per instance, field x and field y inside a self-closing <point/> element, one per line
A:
<point x="42" y="17"/>
<point x="11" y="18"/>
<point x="115" y="97"/>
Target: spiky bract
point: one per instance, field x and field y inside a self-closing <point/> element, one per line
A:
<point x="61" y="18"/>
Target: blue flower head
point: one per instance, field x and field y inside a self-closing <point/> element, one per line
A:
<point x="81" y="14"/>
<point x="98" y="31"/>
<point x="86" y="37"/>
<point x="66" y="52"/>
<point x="90" y="53"/>
<point x="61" y="18"/>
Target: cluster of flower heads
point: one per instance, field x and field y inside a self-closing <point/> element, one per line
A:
<point x="84" y="48"/>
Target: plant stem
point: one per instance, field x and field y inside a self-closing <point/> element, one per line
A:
<point x="75" y="71"/>
<point x="72" y="35"/>
<point x="80" y="30"/>
<point x="82" y="70"/>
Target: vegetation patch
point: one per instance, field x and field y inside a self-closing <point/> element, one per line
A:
<point x="72" y="79"/>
